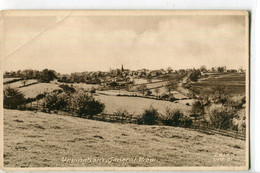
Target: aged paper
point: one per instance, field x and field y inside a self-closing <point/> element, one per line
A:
<point x="124" y="90"/>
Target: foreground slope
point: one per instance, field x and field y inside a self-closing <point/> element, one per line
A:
<point x="50" y="140"/>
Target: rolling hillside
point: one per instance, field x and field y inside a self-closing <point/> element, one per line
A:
<point x="49" y="140"/>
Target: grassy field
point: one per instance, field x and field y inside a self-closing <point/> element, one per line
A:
<point x="9" y="79"/>
<point x="49" y="140"/>
<point x="81" y="85"/>
<point x="234" y="83"/>
<point x="20" y="83"/>
<point x="34" y="90"/>
<point x="136" y="105"/>
<point x="144" y="81"/>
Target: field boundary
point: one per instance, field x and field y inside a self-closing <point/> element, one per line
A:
<point x="131" y="119"/>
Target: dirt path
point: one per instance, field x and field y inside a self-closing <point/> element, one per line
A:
<point x="181" y="89"/>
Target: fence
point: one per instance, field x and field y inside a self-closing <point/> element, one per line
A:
<point x="211" y="130"/>
<point x="129" y="118"/>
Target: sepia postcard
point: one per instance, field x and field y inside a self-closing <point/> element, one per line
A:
<point x="124" y="90"/>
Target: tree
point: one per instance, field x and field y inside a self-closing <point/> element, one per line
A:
<point x="195" y="75"/>
<point x="150" y="116"/>
<point x="197" y="109"/>
<point x="13" y="98"/>
<point x="142" y="88"/>
<point x="24" y="82"/>
<point x="221" y="117"/>
<point x="221" y="94"/>
<point x="47" y="75"/>
<point x="221" y="69"/>
<point x="203" y="68"/>
<point x="113" y="84"/>
<point x="148" y="92"/>
<point x="157" y="91"/>
<point x="169" y="70"/>
<point x="86" y="105"/>
<point x="170" y="86"/>
<point x="149" y="79"/>
<point x="51" y="101"/>
<point x="173" y="117"/>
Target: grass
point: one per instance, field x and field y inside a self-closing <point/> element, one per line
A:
<point x="144" y="81"/>
<point x="9" y="79"/>
<point x="136" y="105"/>
<point x="234" y="83"/>
<point x="82" y="85"/>
<point x="20" y="83"/>
<point x="34" y="90"/>
<point x="49" y="140"/>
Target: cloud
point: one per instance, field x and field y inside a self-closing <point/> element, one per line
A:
<point x="100" y="43"/>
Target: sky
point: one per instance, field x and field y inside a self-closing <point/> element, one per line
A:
<point x="72" y="43"/>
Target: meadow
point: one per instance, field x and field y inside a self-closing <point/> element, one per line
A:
<point x="37" y="139"/>
<point x="49" y="140"/>
<point x="233" y="82"/>
<point x="136" y="105"/>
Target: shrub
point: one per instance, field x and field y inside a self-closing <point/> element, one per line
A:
<point x="173" y="117"/>
<point x="195" y="75"/>
<point x="150" y="116"/>
<point x="121" y="113"/>
<point x="29" y="100"/>
<point x="113" y="84"/>
<point x="140" y="119"/>
<point x="13" y="98"/>
<point x="221" y="95"/>
<point x="243" y="100"/>
<point x="186" y="121"/>
<point x="92" y="91"/>
<point x="86" y="105"/>
<point x="40" y="96"/>
<point x="221" y="117"/>
<point x="197" y="109"/>
<point x="50" y="101"/>
<point x="172" y="99"/>
<point x="165" y="96"/>
<point x="148" y="92"/>
<point x="56" y="101"/>
<point x="235" y="102"/>
<point x="67" y="88"/>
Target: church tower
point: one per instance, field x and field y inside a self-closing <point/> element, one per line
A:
<point x="122" y="68"/>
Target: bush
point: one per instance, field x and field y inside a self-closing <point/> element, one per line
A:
<point x="13" y="98"/>
<point x="92" y="91"/>
<point x="56" y="101"/>
<point x="165" y="96"/>
<point x="67" y="88"/>
<point x="243" y="100"/>
<point x="197" y="109"/>
<point x="173" y="117"/>
<point x="221" y="117"/>
<point x="86" y="106"/>
<point x="148" y="92"/>
<point x="150" y="116"/>
<point x="221" y="95"/>
<point x="113" y="84"/>
<point x="29" y="100"/>
<point x="195" y="75"/>
<point x="172" y="99"/>
<point x="186" y="121"/>
<point x="140" y="119"/>
<point x="235" y="102"/>
<point x="51" y="101"/>
<point x="40" y="96"/>
<point x="121" y="113"/>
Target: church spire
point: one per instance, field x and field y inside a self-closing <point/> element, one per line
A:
<point x="122" y="68"/>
